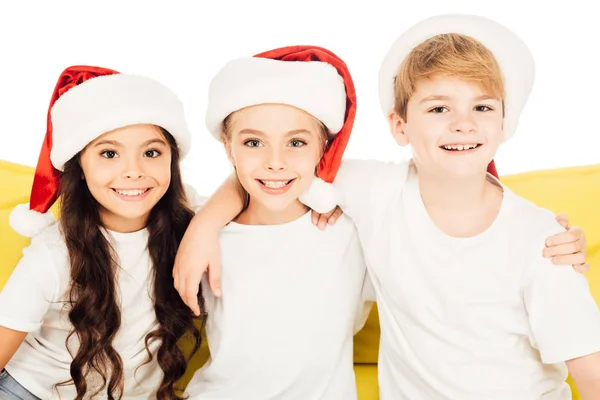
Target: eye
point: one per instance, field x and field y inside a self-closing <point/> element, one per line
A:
<point x="252" y="143"/>
<point x="439" y="110"/>
<point x="152" y="153"/>
<point x="297" y="143"/>
<point x="483" y="108"/>
<point x="109" y="154"/>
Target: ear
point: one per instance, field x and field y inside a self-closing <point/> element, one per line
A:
<point x="397" y="128"/>
<point x="228" y="150"/>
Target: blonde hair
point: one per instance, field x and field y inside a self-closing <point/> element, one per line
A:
<point x="226" y="138"/>
<point x="448" y="54"/>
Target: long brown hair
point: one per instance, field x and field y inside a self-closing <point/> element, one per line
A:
<point x="94" y="309"/>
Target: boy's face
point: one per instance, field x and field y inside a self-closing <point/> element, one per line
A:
<point x="453" y="126"/>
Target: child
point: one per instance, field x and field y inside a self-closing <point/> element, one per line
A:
<point x="465" y="298"/>
<point x="90" y="309"/>
<point x="281" y="115"/>
<point x="469" y="309"/>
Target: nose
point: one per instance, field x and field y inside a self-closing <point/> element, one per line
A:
<point x="463" y="122"/>
<point x="133" y="168"/>
<point x="275" y="160"/>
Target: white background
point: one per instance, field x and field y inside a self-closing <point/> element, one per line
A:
<point x="184" y="43"/>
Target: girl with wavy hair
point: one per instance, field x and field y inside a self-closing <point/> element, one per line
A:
<point x="90" y="310"/>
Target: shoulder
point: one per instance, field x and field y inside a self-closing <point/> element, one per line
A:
<point x="48" y="251"/>
<point x="48" y="241"/>
<point x="528" y="217"/>
<point x="374" y="169"/>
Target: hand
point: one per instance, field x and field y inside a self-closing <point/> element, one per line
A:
<point x="568" y="248"/>
<point x="321" y="220"/>
<point x="198" y="253"/>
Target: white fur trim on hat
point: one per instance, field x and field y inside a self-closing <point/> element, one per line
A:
<point x="195" y="201"/>
<point x="511" y="53"/>
<point x="313" y="86"/>
<point x="320" y="196"/>
<point x="28" y="222"/>
<point x="105" y="103"/>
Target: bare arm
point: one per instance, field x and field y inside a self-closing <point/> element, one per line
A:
<point x="199" y="249"/>
<point x="10" y="340"/>
<point x="586" y="374"/>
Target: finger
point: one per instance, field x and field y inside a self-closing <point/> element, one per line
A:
<point x="572" y="235"/>
<point x="190" y="296"/>
<point x="582" y="268"/>
<point x="315" y="217"/>
<point x="322" y="222"/>
<point x="334" y="217"/>
<point x="563" y="249"/>
<point x="563" y="220"/>
<point x="572" y="259"/>
<point x="214" y="277"/>
<point x="175" y="280"/>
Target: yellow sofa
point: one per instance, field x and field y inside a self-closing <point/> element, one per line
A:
<point x="574" y="191"/>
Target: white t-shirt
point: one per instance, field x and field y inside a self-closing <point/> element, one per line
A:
<point x="34" y="300"/>
<point x="284" y="326"/>
<point x="485" y="317"/>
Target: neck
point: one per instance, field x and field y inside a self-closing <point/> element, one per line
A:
<point x="461" y="206"/>
<point x="123" y="225"/>
<point x="258" y="214"/>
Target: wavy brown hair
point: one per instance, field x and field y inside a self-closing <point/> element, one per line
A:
<point x="94" y="308"/>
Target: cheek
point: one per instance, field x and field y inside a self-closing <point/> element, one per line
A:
<point x="160" y="171"/>
<point x="305" y="164"/>
<point x="247" y="162"/>
<point x="99" y="174"/>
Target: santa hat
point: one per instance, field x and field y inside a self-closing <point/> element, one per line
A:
<point x="87" y="102"/>
<point x="511" y="53"/>
<point x="307" y="77"/>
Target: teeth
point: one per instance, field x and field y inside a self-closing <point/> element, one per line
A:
<point x="275" y="184"/>
<point x="460" y="147"/>
<point x="135" y="192"/>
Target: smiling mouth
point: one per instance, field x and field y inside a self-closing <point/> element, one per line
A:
<point x="131" y="192"/>
<point x="279" y="184"/>
<point x="460" y="147"/>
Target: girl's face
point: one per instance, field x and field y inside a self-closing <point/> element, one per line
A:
<point x="127" y="171"/>
<point x="275" y="149"/>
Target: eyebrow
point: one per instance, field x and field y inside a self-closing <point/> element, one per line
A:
<point x="117" y="144"/>
<point x="446" y="98"/>
<point x="261" y="133"/>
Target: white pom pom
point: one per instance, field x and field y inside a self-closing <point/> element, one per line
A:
<point x="195" y="201"/>
<point x="320" y="196"/>
<point x="28" y="222"/>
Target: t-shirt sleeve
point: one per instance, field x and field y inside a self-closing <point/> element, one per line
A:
<point x="365" y="186"/>
<point x="563" y="316"/>
<point x="31" y="288"/>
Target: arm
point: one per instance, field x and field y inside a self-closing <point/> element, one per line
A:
<point x="10" y="340"/>
<point x="586" y="374"/>
<point x="26" y="297"/>
<point x="365" y="186"/>
<point x="564" y="319"/>
<point x="199" y="249"/>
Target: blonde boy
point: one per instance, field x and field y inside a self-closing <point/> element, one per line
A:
<point x="469" y="308"/>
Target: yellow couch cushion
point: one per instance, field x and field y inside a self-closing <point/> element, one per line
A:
<point x="574" y="191"/>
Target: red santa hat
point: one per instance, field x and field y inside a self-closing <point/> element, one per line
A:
<point x="307" y="77"/>
<point x="87" y="102"/>
<point x="511" y="53"/>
